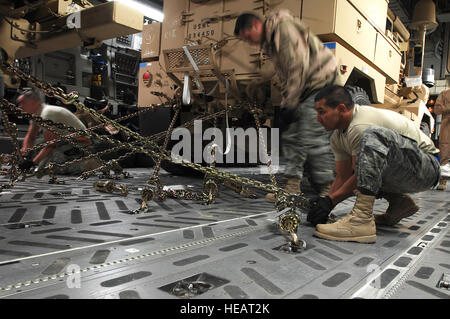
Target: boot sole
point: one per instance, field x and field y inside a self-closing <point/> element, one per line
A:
<point x="360" y="239"/>
<point x="410" y="212"/>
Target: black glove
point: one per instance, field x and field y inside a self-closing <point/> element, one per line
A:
<point x="26" y="164"/>
<point x="320" y="209"/>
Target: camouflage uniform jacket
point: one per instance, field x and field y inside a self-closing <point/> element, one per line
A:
<point x="302" y="62"/>
<point x="442" y="106"/>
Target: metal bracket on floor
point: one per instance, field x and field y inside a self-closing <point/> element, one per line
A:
<point x="444" y="282"/>
<point x="109" y="187"/>
<point x="288" y="221"/>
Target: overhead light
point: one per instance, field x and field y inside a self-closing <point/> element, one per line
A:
<point x="146" y="10"/>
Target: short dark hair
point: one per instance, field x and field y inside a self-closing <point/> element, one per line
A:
<point x="244" y="22"/>
<point x="31" y="95"/>
<point x="335" y="95"/>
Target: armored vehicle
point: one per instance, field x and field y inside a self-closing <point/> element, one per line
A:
<point x="193" y="52"/>
<point x="70" y="240"/>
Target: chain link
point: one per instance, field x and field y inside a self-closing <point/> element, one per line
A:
<point x="148" y="146"/>
<point x="290" y="220"/>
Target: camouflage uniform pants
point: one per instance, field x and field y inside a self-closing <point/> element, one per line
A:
<point x="444" y="140"/>
<point x="306" y="147"/>
<point x="64" y="153"/>
<point x="389" y="162"/>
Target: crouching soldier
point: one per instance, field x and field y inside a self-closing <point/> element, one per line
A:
<point x="378" y="153"/>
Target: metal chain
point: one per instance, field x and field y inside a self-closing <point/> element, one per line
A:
<point x="155" y="178"/>
<point x="48" y="124"/>
<point x="285" y="203"/>
<point x="254" y="112"/>
<point x="87" y="174"/>
<point x="161" y="135"/>
<point x="288" y="219"/>
<point x="71" y="98"/>
<point x="88" y="130"/>
<point x="152" y="149"/>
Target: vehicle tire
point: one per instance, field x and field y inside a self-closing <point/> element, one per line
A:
<point x="358" y="94"/>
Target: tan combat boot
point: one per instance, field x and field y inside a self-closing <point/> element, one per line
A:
<point x="292" y="187"/>
<point x="357" y="226"/>
<point x="442" y="184"/>
<point x="400" y="206"/>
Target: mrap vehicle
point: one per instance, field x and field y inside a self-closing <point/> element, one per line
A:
<point x="195" y="45"/>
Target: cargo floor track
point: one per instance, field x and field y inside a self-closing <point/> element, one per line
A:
<point x="70" y="241"/>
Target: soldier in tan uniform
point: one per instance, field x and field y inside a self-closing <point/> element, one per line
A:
<point x="303" y="65"/>
<point x="442" y="106"/>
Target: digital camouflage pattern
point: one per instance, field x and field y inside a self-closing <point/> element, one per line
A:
<point x="389" y="162"/>
<point x="306" y="147"/>
<point x="303" y="64"/>
<point x="442" y="106"/>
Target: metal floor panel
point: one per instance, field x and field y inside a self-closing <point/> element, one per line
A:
<point x="70" y="241"/>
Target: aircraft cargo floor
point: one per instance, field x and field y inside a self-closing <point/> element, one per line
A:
<point x="71" y="241"/>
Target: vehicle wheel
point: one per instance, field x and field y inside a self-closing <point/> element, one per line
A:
<point x="358" y="94"/>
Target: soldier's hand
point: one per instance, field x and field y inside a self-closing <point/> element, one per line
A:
<point x="26" y="164"/>
<point x="321" y="207"/>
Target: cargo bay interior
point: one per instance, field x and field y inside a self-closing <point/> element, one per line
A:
<point x="149" y="222"/>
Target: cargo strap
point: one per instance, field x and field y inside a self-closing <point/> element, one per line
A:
<point x="186" y="90"/>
